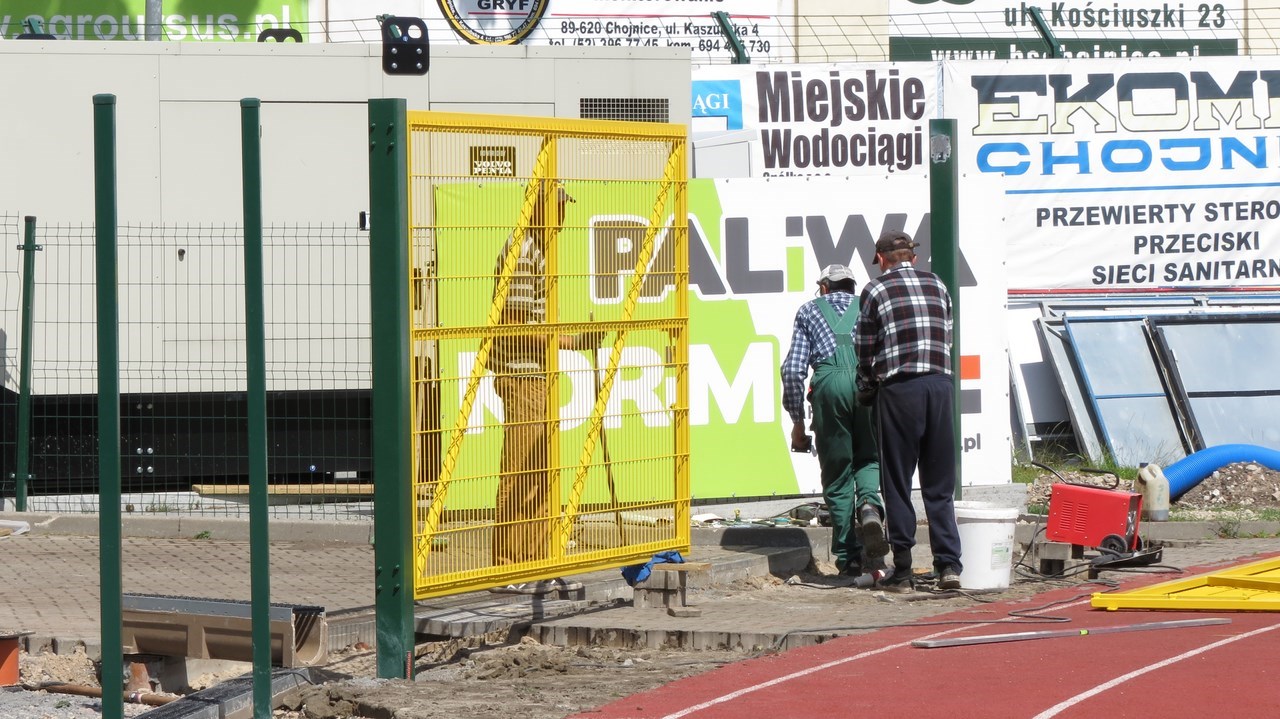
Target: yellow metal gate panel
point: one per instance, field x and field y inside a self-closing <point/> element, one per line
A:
<point x="1248" y="587"/>
<point x="550" y="346"/>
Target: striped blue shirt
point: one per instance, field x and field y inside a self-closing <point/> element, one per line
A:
<point x="811" y="342"/>
<point x="526" y="304"/>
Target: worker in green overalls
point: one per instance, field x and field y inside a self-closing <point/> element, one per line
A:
<point x="822" y="338"/>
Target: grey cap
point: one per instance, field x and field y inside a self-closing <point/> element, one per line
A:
<point x="835" y="273"/>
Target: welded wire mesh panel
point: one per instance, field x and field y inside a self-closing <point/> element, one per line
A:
<point x="10" y="314"/>
<point x="549" y="335"/>
<point x="183" y="407"/>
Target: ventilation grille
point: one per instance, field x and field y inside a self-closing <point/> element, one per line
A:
<point x="638" y="109"/>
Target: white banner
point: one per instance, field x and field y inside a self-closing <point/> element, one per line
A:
<point x="759" y="25"/>
<point x="821" y="119"/>
<point x="1132" y="175"/>
<point x="763" y="27"/>
<point x="756" y="248"/>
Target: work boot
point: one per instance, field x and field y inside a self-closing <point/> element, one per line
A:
<point x="948" y="578"/>
<point x="871" y="529"/>
<point x="900" y="582"/>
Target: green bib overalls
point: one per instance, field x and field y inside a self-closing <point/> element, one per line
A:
<point x="843" y="434"/>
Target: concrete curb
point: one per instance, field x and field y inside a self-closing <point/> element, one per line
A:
<point x="479" y="613"/>
<point x="232" y="699"/>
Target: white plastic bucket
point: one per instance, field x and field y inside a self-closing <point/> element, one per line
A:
<point x="986" y="544"/>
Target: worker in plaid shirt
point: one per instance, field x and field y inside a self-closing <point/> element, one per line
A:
<point x="822" y="338"/>
<point x="903" y="340"/>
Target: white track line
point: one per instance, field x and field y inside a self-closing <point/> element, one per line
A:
<point x="835" y="663"/>
<point x="1067" y="704"/>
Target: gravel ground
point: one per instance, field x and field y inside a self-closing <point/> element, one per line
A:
<point x="24" y="702"/>
<point x="20" y="703"/>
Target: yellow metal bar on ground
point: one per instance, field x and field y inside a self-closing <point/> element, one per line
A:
<point x="1265" y="585"/>
<point x="1248" y="587"/>
<point x="672" y="178"/>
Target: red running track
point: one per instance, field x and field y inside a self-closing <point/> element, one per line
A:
<point x="1209" y="672"/>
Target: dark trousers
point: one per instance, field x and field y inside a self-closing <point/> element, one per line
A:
<point x="915" y="425"/>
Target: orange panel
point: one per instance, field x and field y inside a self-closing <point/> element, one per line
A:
<point x="970" y="366"/>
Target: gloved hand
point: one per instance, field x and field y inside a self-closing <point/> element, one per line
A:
<point x="867" y="397"/>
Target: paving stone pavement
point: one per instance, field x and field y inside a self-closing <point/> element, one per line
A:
<point x="50" y="586"/>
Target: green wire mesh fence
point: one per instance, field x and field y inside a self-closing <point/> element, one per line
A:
<point x="10" y="296"/>
<point x="182" y="358"/>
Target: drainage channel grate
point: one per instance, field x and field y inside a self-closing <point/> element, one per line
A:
<point x="205" y="628"/>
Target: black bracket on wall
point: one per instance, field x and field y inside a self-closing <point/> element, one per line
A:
<point x="280" y="34"/>
<point x="405" y="49"/>
<point x="34" y="30"/>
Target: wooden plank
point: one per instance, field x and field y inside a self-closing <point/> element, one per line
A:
<point x="681" y="567"/>
<point x="345" y="490"/>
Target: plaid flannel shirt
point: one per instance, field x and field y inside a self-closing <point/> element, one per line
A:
<point x="904" y="326"/>
<point x="811" y="342"/>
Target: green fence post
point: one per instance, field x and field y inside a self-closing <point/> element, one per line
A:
<point x="109" y="563"/>
<point x="256" y="385"/>
<point x="944" y="233"/>
<point x="1046" y="33"/>
<point x="740" y="56"/>
<point x="389" y="304"/>
<point x="22" y="469"/>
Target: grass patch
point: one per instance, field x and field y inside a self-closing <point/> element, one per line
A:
<point x="1027" y="473"/>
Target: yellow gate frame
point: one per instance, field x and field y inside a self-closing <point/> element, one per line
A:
<point x="629" y="164"/>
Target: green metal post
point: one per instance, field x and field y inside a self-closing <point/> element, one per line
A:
<point x="110" y="567"/>
<point x="256" y="372"/>
<point x="740" y="56"/>
<point x="22" y="471"/>
<point x="944" y="232"/>
<point x="1046" y="33"/>
<point x="389" y="302"/>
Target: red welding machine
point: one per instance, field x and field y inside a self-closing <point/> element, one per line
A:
<point x="1094" y="517"/>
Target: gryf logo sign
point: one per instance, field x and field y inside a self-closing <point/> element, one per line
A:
<point x="719" y="98"/>
<point x="493" y="22"/>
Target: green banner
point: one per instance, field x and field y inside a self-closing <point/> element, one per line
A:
<point x="195" y="20"/>
<point x="732" y="367"/>
<point x="729" y="363"/>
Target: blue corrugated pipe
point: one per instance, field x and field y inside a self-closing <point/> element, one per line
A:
<point x="1191" y="470"/>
